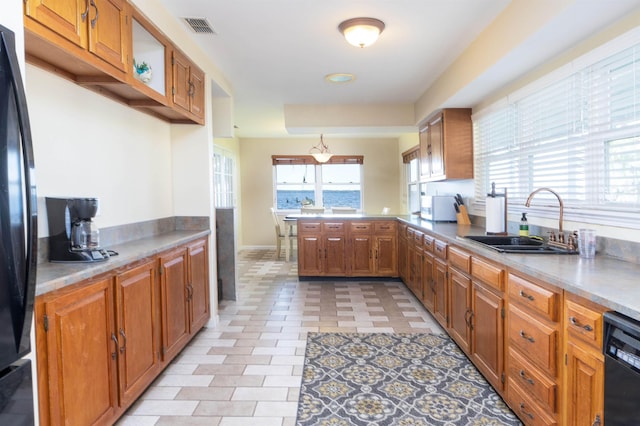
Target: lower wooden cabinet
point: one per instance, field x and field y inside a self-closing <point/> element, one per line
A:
<point x="101" y="342"/>
<point x="347" y="248"/>
<point x="77" y="354"/>
<point x="584" y="372"/>
<point x="137" y="330"/>
<point x="174" y="302"/>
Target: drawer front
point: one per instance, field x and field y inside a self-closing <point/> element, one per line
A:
<point x="428" y="242"/>
<point x="417" y="238"/>
<point x="526" y="408"/>
<point x="533" y="381"/>
<point x="535" y="339"/>
<point x="333" y="227"/>
<point x="487" y="273"/>
<point x="584" y="323"/>
<point x="384" y="227"/>
<point x="308" y="227"/>
<point x="440" y="249"/>
<point x="460" y="259"/>
<point x="360" y="227"/>
<point x="535" y="298"/>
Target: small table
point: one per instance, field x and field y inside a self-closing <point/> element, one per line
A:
<point x="289" y="223"/>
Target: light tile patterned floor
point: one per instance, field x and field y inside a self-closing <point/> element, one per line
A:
<point x="246" y="371"/>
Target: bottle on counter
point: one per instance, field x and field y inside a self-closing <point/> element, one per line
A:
<point x="524" y="226"/>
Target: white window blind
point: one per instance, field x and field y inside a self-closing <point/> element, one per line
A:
<point x="577" y="133"/>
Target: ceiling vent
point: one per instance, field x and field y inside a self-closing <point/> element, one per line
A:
<point x="199" y="25"/>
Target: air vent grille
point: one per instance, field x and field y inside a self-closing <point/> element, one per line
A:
<point x="199" y="25"/>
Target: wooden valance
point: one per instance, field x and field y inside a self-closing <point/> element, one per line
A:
<point x="411" y="154"/>
<point x="308" y="159"/>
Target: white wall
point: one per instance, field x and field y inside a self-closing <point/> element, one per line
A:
<point x="88" y="145"/>
<point x="380" y="184"/>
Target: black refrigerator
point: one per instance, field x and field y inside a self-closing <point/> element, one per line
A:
<point x="18" y="241"/>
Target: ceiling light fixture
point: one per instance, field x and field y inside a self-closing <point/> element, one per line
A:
<point x="361" y="32"/>
<point x="321" y="152"/>
<point x="340" y="78"/>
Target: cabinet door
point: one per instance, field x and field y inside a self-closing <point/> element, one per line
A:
<point x="173" y="294"/>
<point x="361" y="255"/>
<point x="181" y="74"/>
<point x="386" y="263"/>
<point x="82" y="352"/>
<point x="402" y="259"/>
<point x="425" y="153"/>
<point x="584" y="386"/>
<point x="67" y="18"/>
<point x="436" y="142"/>
<point x="460" y="309"/>
<point x="196" y="94"/>
<point x="108" y="31"/>
<point x="137" y="330"/>
<point x="428" y="288"/>
<point x="487" y="337"/>
<point x="199" y="306"/>
<point x="440" y="286"/>
<point x="335" y="252"/>
<point x="309" y="255"/>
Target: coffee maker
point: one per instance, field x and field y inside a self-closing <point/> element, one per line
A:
<point x="73" y="236"/>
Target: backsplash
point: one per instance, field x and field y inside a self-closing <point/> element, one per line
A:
<point x="135" y="231"/>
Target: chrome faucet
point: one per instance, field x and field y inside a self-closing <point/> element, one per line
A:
<point x="528" y="203"/>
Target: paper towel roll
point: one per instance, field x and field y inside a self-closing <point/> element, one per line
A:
<point x="495" y="215"/>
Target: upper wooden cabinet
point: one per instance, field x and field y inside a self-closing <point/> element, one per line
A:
<point x="446" y="145"/>
<point x="99" y="27"/>
<point x="188" y="85"/>
<point x="94" y="43"/>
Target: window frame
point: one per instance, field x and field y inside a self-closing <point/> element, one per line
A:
<point x="317" y="172"/>
<point x="502" y="131"/>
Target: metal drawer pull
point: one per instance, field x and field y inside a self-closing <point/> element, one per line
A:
<point x="597" y="421"/>
<point x="575" y="322"/>
<point x="524" y="336"/>
<point x="525" y="378"/>
<point x="530" y="415"/>
<point x="527" y="296"/>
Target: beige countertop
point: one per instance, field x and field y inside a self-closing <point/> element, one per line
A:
<point x="53" y="276"/>
<point x="612" y="283"/>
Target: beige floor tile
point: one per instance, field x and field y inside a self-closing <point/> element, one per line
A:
<point x="247" y="370"/>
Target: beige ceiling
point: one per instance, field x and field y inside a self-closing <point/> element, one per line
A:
<point x="276" y="53"/>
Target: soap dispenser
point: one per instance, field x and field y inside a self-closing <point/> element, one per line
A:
<point x="524" y="226"/>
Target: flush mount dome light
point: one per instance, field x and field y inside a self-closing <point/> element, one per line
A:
<point x="361" y="32"/>
<point x="340" y="78"/>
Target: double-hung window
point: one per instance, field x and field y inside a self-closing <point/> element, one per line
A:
<point x="301" y="180"/>
<point x="576" y="131"/>
<point x="411" y="161"/>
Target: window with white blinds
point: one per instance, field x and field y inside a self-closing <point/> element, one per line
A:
<point x="577" y="131"/>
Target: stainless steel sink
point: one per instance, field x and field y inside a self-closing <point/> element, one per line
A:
<point x="517" y="244"/>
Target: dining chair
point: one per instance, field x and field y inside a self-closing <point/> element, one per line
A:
<point x="281" y="235"/>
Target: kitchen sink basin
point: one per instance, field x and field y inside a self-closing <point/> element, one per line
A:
<point x="517" y="244"/>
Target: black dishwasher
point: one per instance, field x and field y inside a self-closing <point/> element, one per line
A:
<point x="621" y="370"/>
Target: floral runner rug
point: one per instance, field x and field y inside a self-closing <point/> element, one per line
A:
<point x="378" y="379"/>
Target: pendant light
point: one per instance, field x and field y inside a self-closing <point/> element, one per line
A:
<point x="321" y="151"/>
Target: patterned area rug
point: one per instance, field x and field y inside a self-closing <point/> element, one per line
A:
<point x="394" y="379"/>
